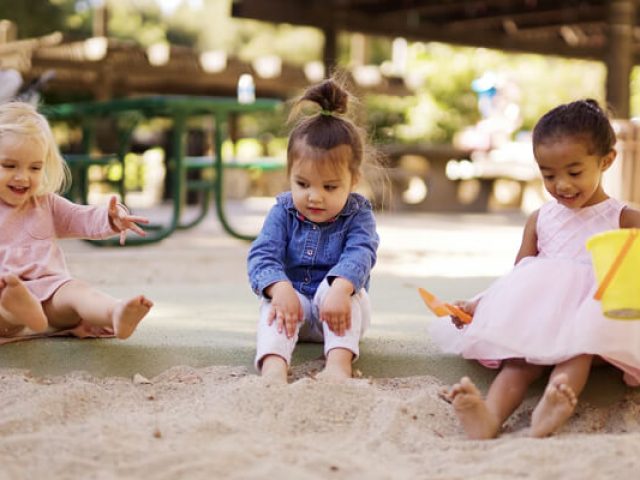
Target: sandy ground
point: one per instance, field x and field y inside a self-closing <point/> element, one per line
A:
<point x="179" y="399"/>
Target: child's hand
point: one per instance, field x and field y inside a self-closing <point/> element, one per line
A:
<point x="121" y="221"/>
<point x="336" y="307"/>
<point x="466" y="306"/>
<point x="286" y="308"/>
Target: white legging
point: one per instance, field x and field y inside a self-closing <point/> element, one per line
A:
<point x="311" y="329"/>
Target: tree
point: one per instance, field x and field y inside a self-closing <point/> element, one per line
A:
<point x="35" y="18"/>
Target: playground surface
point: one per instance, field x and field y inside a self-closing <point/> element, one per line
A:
<point x="180" y="399"/>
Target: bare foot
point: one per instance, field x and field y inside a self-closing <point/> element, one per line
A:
<point x="334" y="374"/>
<point x="127" y="315"/>
<point x="274" y="370"/>
<point x="555" y="407"/>
<point x="19" y="307"/>
<point x="476" y="419"/>
<point x="338" y="367"/>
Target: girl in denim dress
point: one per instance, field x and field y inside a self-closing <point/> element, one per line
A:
<point x="312" y="260"/>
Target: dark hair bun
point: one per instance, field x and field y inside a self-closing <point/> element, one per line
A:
<point x="329" y="95"/>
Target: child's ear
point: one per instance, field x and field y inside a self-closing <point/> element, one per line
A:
<point x="355" y="179"/>
<point x="608" y="159"/>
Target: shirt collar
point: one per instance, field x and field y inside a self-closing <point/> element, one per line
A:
<point x="352" y="205"/>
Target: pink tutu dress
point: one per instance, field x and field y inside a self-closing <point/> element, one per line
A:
<point x="543" y="310"/>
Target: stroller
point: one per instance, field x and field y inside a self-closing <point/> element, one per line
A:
<point x="12" y="86"/>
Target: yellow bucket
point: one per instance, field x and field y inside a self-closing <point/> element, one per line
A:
<point x="616" y="261"/>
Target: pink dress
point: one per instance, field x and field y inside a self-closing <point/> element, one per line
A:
<point x="543" y="309"/>
<point x="28" y="233"/>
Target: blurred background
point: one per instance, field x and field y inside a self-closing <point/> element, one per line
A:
<point x="448" y="90"/>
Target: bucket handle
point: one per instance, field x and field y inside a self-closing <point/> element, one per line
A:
<point x="616" y="264"/>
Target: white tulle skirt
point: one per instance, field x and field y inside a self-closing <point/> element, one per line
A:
<point x="543" y="311"/>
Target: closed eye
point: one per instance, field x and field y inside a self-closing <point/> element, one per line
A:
<point x="302" y="184"/>
<point x="330" y="188"/>
<point x="574" y="174"/>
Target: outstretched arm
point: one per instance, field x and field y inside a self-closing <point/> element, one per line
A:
<point x="71" y="220"/>
<point x="121" y="221"/>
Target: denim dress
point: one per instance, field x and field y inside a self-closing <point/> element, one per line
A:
<point x="292" y="248"/>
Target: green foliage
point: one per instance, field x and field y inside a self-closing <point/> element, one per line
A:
<point x="441" y="75"/>
<point x="296" y="45"/>
<point x="385" y="113"/>
<point x="445" y="103"/>
<point x="138" y="20"/>
<point x="35" y="18"/>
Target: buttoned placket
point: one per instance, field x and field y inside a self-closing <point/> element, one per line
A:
<point x="310" y="249"/>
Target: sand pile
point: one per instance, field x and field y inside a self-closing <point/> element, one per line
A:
<point x="222" y="422"/>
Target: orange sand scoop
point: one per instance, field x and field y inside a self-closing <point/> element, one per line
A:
<point x="442" y="309"/>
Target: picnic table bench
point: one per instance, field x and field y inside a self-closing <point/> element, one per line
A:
<point x="129" y="113"/>
<point x="443" y="169"/>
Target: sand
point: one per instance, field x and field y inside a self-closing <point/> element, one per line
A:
<point x="222" y="422"/>
<point x="219" y="421"/>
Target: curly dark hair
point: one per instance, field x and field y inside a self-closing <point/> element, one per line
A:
<point x="582" y="119"/>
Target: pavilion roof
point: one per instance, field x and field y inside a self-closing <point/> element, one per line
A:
<point x="571" y="28"/>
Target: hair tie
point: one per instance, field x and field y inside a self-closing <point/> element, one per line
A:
<point x="326" y="112"/>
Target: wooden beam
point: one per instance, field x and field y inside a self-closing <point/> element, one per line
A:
<point x="287" y="11"/>
<point x="382" y="8"/>
<point x="560" y="15"/>
<point x="430" y="7"/>
<point x="30" y="44"/>
<point x="129" y="74"/>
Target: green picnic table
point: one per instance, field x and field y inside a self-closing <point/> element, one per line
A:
<point x="128" y="113"/>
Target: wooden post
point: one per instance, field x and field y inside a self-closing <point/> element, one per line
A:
<point x="330" y="51"/>
<point x="8" y="31"/>
<point x="619" y="60"/>
<point x="358" y="52"/>
<point x="103" y="86"/>
<point x="100" y="24"/>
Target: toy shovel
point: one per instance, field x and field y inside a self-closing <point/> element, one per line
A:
<point x="442" y="309"/>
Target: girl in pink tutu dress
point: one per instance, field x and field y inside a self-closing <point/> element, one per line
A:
<point x="37" y="294"/>
<point x="541" y="316"/>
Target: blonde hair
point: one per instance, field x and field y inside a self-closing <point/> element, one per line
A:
<point x="23" y="120"/>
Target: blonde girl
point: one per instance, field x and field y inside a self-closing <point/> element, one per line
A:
<point x="37" y="292"/>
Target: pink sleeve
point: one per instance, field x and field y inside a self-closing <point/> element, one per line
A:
<point x="79" y="221"/>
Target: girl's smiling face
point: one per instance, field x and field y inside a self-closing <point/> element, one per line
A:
<point x="320" y="190"/>
<point x="21" y="169"/>
<point x="571" y="174"/>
